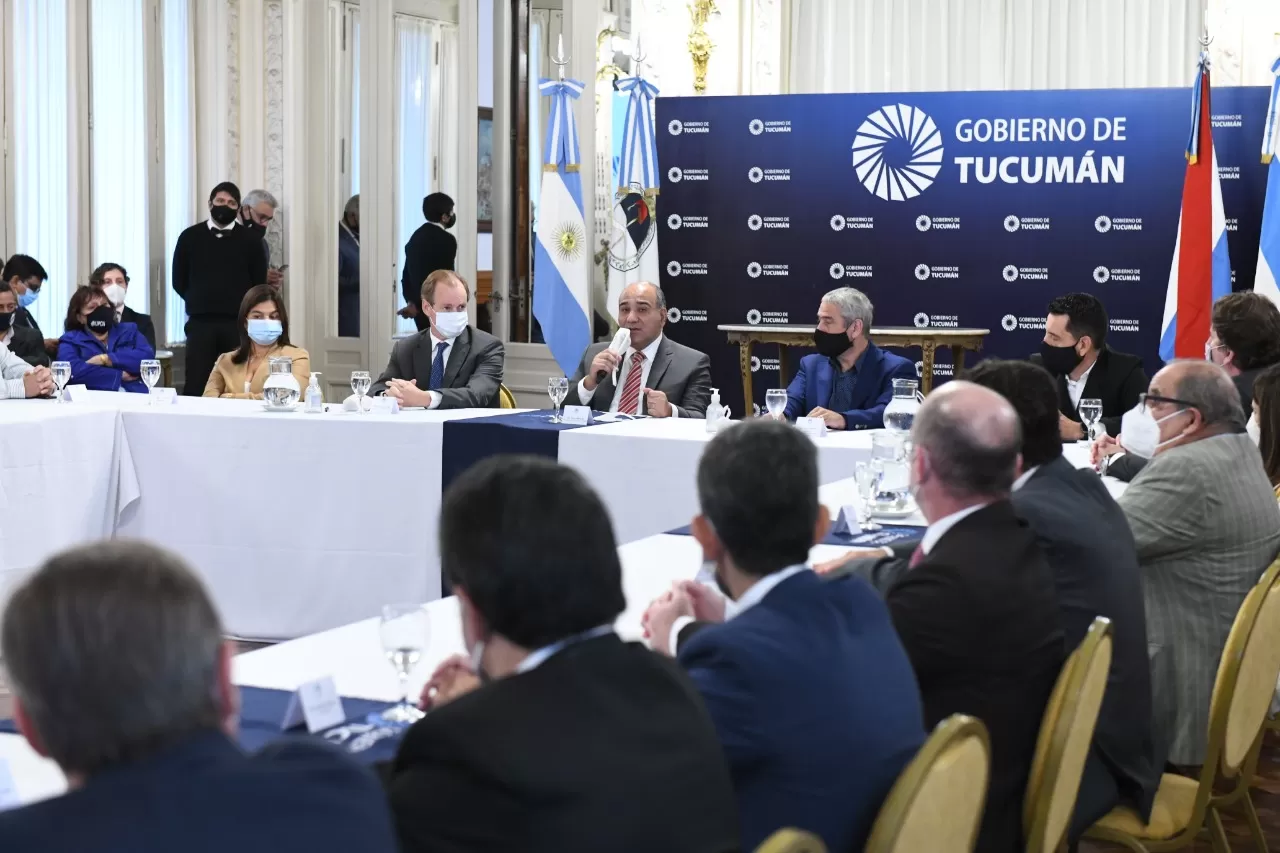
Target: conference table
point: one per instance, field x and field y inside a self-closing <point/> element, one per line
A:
<point x="299" y="523"/>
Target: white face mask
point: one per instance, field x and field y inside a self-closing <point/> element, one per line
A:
<point x="115" y="293"/>
<point x="1254" y="428"/>
<point x="450" y="324"/>
<point x="1141" y="431"/>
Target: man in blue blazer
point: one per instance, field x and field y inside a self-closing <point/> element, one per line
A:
<point x="849" y="381"/>
<point x="120" y="675"/>
<point x="810" y="690"/>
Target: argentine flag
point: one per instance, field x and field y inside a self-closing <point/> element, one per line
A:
<point x="561" y="256"/>
<point x="1201" y="270"/>
<point x="1269" y="247"/>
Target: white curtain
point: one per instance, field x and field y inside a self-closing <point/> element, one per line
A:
<point x="940" y="45"/>
<point x="414" y="61"/>
<point x="180" y="204"/>
<point x="119" y="210"/>
<point x="537" y="49"/>
<point x="41" y="133"/>
<point x="353" y="159"/>
<point x="444" y="102"/>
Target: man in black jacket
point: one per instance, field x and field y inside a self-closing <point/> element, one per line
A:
<point x="576" y="742"/>
<point x="215" y="262"/>
<point x="1076" y="353"/>
<point x="430" y="248"/>
<point x="23" y="342"/>
<point x="26" y="276"/>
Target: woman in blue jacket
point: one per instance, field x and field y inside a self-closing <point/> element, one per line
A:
<point x="104" y="355"/>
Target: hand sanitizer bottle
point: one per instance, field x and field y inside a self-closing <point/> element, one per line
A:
<point x="714" y="412"/>
<point x="315" y="397"/>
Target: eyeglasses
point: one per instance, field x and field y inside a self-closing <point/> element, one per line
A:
<point x="1144" y="398"/>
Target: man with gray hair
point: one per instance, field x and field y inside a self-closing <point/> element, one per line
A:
<point x="120" y="675"/>
<point x="1206" y="524"/>
<point x="257" y="212"/>
<point x="849" y="381"/>
<point x="976" y="610"/>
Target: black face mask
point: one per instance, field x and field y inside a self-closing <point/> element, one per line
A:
<point x="100" y="319"/>
<point x="222" y="214"/>
<point x="6" y="320"/>
<point x="1060" y="360"/>
<point x="831" y="344"/>
<point x="448" y="220"/>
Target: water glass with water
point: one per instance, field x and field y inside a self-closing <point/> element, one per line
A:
<point x="1090" y="412"/>
<point x="61" y="371"/>
<point x="867" y="477"/>
<point x="890" y="450"/>
<point x="557" y="390"/>
<point x="360" y="382"/>
<point x="404" y="631"/>
<point x="149" y="370"/>
<point x="775" y="400"/>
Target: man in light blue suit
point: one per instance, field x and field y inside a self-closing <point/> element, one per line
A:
<point x="849" y="381"/>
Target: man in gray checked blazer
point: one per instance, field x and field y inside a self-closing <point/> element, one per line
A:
<point x="1206" y="523"/>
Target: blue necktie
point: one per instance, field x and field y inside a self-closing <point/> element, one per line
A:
<point x="437" y="367"/>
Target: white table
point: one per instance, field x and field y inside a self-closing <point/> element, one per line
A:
<point x="1078" y="455"/>
<point x="645" y="470"/>
<point x="352" y="654"/>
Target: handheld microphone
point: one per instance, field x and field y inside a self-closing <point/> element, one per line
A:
<point x="618" y="347"/>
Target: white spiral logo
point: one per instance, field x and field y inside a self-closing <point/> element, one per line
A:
<point x="919" y="369"/>
<point x="1012" y="223"/>
<point x="755" y="363"/>
<point x="910" y="136"/>
<point x="673" y="268"/>
<point x="674" y="222"/>
<point x="1008" y="322"/>
<point x="674" y="174"/>
<point x="837" y="223"/>
<point x="1103" y="224"/>
<point x="1101" y="275"/>
<point x="673" y="315"/>
<point x="753" y="269"/>
<point x="756" y="127"/>
<point x="1010" y="273"/>
<point x="753" y="317"/>
<point x="921" y="320"/>
<point x="754" y="222"/>
<point x="755" y="174"/>
<point x="836" y="270"/>
<point x="922" y="271"/>
<point x="675" y="127"/>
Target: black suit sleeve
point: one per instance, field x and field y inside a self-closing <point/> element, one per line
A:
<point x="686" y="634"/>
<point x="697" y="394"/>
<point x="1131" y="387"/>
<point x="28" y="345"/>
<point x="1126" y="467"/>
<point x="146" y="327"/>
<point x="258" y="264"/>
<point x="411" y="280"/>
<point x="929" y="607"/>
<point x="393" y="369"/>
<point x="881" y="572"/>
<point x="572" y="398"/>
<point x="481" y="390"/>
<point x="181" y="266"/>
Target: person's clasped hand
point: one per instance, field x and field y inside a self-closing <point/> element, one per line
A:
<point x="1103" y="447"/>
<point x="38" y="382"/>
<point x="662" y="614"/>
<point x="452" y="679"/>
<point x="408" y="392"/>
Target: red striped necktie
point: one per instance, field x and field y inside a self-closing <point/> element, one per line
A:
<point x="630" y="402"/>
<point x="916" y="556"/>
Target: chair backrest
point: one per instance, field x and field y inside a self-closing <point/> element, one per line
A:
<point x="1247" y="673"/>
<point x="937" y="802"/>
<point x="1066" y="735"/>
<point x="506" y="399"/>
<point x="792" y="841"/>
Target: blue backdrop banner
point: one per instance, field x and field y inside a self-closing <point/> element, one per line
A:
<point x="961" y="209"/>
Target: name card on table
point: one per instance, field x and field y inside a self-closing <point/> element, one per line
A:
<point x="8" y="788"/>
<point x="813" y="427"/>
<point x="386" y="405"/>
<point x="580" y="415"/>
<point x="846" y="523"/>
<point x="165" y="396"/>
<point x="75" y="393"/>
<point x="317" y="703"/>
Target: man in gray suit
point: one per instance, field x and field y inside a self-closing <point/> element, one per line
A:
<point x="451" y="365"/>
<point x="656" y="376"/>
<point x="1206" y="524"/>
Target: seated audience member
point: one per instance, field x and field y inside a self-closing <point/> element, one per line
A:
<point x="574" y="740"/>
<point x="349" y="270"/>
<point x="19" y="380"/>
<point x="104" y="355"/>
<point x="811" y="692"/>
<point x="1206" y="523"/>
<point x="23" y="342"/>
<point x="26" y="276"/>
<point x="1084" y="367"/>
<point x="656" y="375"/>
<point x="849" y="380"/>
<point x="264" y="335"/>
<point x="977" y="611"/>
<point x="120" y="675"/>
<point x="1264" y="423"/>
<point x="450" y="365"/>
<point x="114" y="282"/>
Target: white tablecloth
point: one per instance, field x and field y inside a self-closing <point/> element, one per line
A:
<point x="352" y="654"/>
<point x="645" y="470"/>
<point x="1078" y="455"/>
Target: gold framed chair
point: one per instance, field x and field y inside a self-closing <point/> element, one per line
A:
<point x="792" y="841"/>
<point x="1242" y="691"/>
<point x="1066" y="734"/>
<point x="937" y="802"/>
<point x="506" y="400"/>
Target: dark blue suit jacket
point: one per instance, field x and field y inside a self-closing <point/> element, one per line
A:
<point x="127" y="348"/>
<point x="816" y="706"/>
<point x="872" y="390"/>
<point x="206" y="796"/>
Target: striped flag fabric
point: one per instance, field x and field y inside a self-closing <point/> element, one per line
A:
<point x="561" y="255"/>
<point x="1264" y="281"/>
<point x="633" y="249"/>
<point x="1201" y="269"/>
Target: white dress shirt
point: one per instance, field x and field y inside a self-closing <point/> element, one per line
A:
<point x="585" y="394"/>
<point x="213" y="226"/>
<point x="940" y="527"/>
<point x="8" y="335"/>
<point x="1026" y="475"/>
<point x="538" y="657"/>
<point x="12" y="369"/>
<point x="1075" y="387"/>
<point x="732" y="609"/>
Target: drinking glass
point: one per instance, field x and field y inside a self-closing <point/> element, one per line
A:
<point x="150" y="370"/>
<point x="61" y="371"/>
<point x="1090" y="412"/>
<point x="404" y="631"/>
<point x="775" y="400"/>
<point x="360" y="382"/>
<point x="867" y="475"/>
<point x="557" y="390"/>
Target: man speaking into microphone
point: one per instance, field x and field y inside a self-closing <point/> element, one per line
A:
<point x="655" y="376"/>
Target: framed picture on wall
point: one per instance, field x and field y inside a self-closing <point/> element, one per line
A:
<point x="484" y="173"/>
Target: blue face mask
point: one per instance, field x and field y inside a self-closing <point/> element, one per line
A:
<point x="27" y="298"/>
<point x="264" y="332"/>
